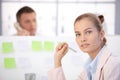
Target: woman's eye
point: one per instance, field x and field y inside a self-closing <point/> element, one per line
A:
<point x="88" y="32"/>
<point x="77" y="35"/>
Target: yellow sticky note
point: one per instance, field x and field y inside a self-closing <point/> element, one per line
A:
<point x="48" y="46"/>
<point x="9" y="63"/>
<point x="7" y="47"/>
<point x="36" y="45"/>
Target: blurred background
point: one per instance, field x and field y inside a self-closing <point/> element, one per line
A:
<point x="33" y="56"/>
<point x="56" y="17"/>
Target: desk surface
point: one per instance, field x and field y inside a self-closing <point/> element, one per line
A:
<point x="20" y="57"/>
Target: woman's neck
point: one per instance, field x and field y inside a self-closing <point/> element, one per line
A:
<point x="94" y="53"/>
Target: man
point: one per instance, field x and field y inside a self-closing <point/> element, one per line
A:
<point x="26" y="22"/>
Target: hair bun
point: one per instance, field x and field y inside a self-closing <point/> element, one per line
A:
<point x="101" y="18"/>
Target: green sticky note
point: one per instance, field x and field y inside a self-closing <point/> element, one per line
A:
<point x="7" y="47"/>
<point x="48" y="46"/>
<point x="9" y="63"/>
<point x="36" y="45"/>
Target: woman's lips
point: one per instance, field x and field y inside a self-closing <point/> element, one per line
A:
<point x="84" y="45"/>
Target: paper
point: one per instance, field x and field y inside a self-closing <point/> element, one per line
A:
<point x="9" y="63"/>
<point x="22" y="45"/>
<point x="23" y="62"/>
<point x="36" y="45"/>
<point x="48" y="46"/>
<point x="7" y="47"/>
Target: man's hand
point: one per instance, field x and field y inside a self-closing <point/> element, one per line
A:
<point x="20" y="31"/>
<point x="23" y="32"/>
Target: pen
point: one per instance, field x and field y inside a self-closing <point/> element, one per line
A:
<point x="71" y="48"/>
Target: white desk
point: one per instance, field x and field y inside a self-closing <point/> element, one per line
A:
<point x="40" y="62"/>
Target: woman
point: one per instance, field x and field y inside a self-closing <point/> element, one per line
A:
<point x="102" y="65"/>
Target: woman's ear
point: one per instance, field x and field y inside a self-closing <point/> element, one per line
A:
<point x="102" y="34"/>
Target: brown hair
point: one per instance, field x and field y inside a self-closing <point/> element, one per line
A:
<point x="97" y="20"/>
<point x="24" y="9"/>
<point x="101" y="18"/>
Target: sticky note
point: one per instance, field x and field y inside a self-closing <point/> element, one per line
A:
<point x="7" y="47"/>
<point x="48" y="46"/>
<point x="36" y="45"/>
<point x="9" y="63"/>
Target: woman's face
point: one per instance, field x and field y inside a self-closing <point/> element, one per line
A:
<point x="88" y="37"/>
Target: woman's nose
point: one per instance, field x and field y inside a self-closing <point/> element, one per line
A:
<point x="83" y="38"/>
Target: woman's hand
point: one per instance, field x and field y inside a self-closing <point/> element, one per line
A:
<point x="61" y="50"/>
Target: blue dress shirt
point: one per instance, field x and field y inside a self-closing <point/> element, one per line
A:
<point x="91" y="65"/>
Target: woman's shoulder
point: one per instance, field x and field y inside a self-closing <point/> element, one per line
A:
<point x="115" y="57"/>
<point x="111" y="57"/>
<point x="113" y="61"/>
<point x="111" y="69"/>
